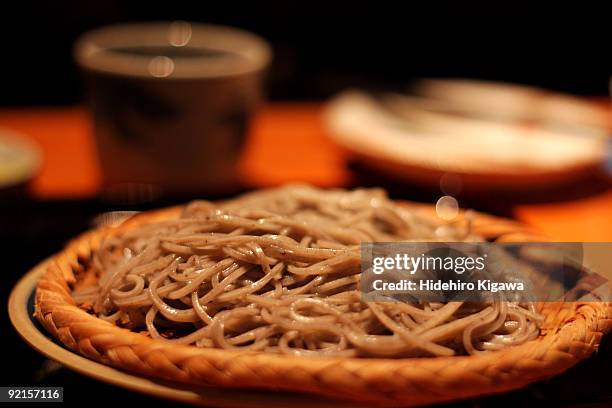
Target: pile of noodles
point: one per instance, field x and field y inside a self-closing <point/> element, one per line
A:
<point x="278" y="270"/>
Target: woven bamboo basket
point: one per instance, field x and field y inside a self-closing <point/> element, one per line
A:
<point x="571" y="332"/>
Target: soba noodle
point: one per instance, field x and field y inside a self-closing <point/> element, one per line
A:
<point x="278" y="270"/>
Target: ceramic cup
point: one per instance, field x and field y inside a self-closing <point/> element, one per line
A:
<point x="171" y="102"/>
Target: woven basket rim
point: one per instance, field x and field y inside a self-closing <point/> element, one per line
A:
<point x="384" y="381"/>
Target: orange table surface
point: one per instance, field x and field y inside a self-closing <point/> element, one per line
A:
<point x="288" y="136"/>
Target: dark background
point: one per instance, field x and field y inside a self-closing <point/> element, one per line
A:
<point x="323" y="46"/>
<point x="320" y="48"/>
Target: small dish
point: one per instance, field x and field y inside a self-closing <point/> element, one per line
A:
<point x="421" y="140"/>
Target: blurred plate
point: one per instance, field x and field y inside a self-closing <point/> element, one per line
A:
<point x="21" y="310"/>
<point x="421" y="139"/>
<point x="20" y="160"/>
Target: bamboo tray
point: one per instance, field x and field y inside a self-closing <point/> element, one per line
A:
<point x="571" y="332"/>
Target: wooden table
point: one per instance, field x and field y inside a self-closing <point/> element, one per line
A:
<point x="287" y="143"/>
